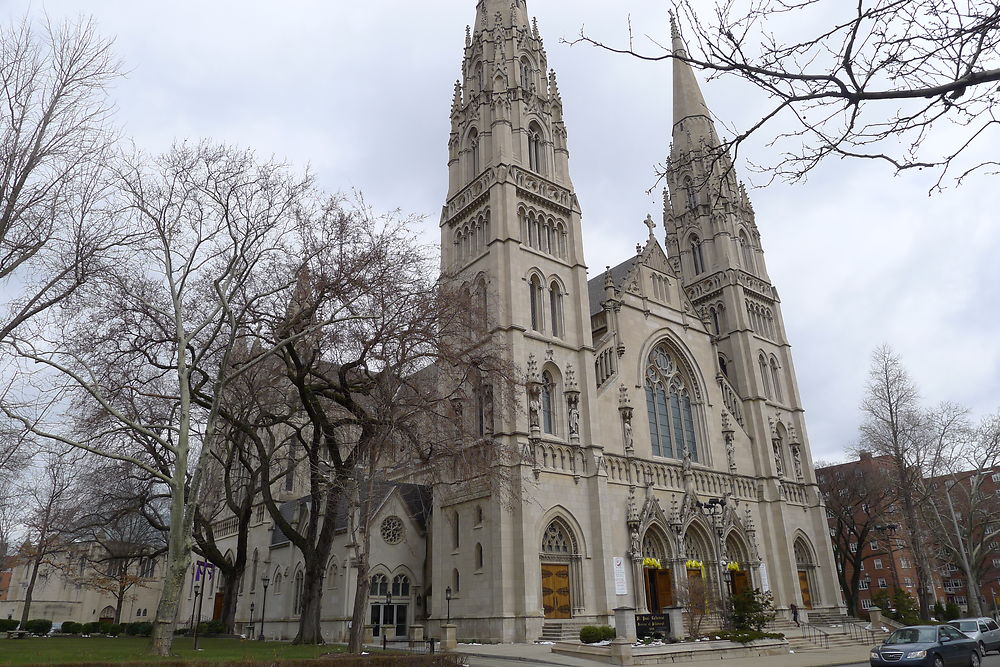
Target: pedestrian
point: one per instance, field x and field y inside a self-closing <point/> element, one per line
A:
<point x="795" y="614"/>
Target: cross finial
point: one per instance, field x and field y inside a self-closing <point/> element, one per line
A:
<point x="649" y="223"/>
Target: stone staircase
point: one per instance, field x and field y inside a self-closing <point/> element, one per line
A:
<point x="829" y="631"/>
<point x="556" y="631"/>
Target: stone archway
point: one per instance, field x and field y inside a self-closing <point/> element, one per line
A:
<point x="658" y="582"/>
<point x="559" y="558"/>
<point x="737" y="552"/>
<point x="805" y="566"/>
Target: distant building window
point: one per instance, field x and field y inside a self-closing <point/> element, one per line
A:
<point x="995" y="477"/>
<point x="866" y="603"/>
<point x="874" y="545"/>
<point x="854" y="547"/>
<point x="881" y="583"/>
<point x="996" y="562"/>
<point x="877" y="564"/>
<point x="863" y="585"/>
<point x="904" y="563"/>
<point x="908" y="582"/>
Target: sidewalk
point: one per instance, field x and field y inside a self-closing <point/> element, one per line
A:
<point x="540" y="654"/>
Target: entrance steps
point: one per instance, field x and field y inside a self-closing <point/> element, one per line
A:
<point x="556" y="631"/>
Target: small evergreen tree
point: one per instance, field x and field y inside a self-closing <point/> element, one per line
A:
<point x="751" y="610"/>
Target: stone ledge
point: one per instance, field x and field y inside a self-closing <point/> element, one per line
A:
<point x="679" y="652"/>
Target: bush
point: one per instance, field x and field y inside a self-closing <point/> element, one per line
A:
<point x="38" y="626"/>
<point x="751" y="610"/>
<point x="8" y="624"/>
<point x="211" y="628"/>
<point x="71" y="627"/>
<point x="91" y="628"/>
<point x="938" y="611"/>
<point x="109" y="629"/>
<point x="607" y="632"/>
<point x="139" y="629"/>
<point x="951" y="611"/>
<point x="590" y="634"/>
<point x="746" y="636"/>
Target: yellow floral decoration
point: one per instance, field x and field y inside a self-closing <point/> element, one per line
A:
<point x="652" y="562"/>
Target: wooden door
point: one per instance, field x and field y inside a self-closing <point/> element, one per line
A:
<point x="740" y="582"/>
<point x="555" y="591"/>
<point x="664" y="590"/>
<point x="217" y="611"/>
<point x="804" y="587"/>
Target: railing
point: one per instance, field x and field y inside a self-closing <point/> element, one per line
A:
<point x="816" y="635"/>
<point x="411" y="645"/>
<point x="860" y="633"/>
<point x="731" y="399"/>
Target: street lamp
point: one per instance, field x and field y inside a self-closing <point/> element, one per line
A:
<point x="197" y="590"/>
<point x="714" y="508"/>
<point x="265" y="580"/>
<point x="447" y="597"/>
<point x="251" y="620"/>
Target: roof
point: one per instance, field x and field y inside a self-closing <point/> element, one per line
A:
<point x="416" y="498"/>
<point x="595" y="286"/>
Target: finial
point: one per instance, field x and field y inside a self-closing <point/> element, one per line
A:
<point x="638" y="248"/>
<point x="649" y="223"/>
<point x="674" y="32"/>
<point x="553" y="84"/>
<point x="468" y="36"/>
<point x="608" y="282"/>
<point x="534" y="26"/>
<point x="456" y="101"/>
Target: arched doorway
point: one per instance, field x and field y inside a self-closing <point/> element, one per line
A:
<point x="701" y="573"/>
<point x="560" y="562"/>
<point x="107" y="615"/>
<point x="736" y="552"/>
<point x="658" y="580"/>
<point x="805" y="565"/>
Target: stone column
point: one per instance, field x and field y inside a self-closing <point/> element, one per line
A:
<point x="621" y="652"/>
<point x="416" y="633"/>
<point x="676" y="617"/>
<point x="625" y="623"/>
<point x="448" y="637"/>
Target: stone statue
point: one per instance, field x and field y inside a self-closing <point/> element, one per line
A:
<point x="777" y="458"/>
<point x="731" y="454"/>
<point x="628" y="435"/>
<point x="534" y="409"/>
<point x="634" y="545"/>
<point x="797" y="461"/>
<point x="574" y="420"/>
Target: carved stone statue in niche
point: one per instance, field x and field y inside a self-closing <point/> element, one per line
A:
<point x="628" y="436"/>
<point x="574" y="421"/>
<point x="731" y="454"/>
<point x="634" y="545"/>
<point x="776" y="446"/>
<point x="534" y="410"/>
<point x="797" y="461"/>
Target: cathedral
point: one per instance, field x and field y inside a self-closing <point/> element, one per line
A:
<point x="661" y="437"/>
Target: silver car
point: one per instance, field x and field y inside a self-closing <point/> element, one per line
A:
<point x="984" y="630"/>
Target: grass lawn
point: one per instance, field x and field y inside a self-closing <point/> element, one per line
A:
<point x="70" y="650"/>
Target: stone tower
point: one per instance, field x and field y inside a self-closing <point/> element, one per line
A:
<point x="510" y="230"/>
<point x="715" y="249"/>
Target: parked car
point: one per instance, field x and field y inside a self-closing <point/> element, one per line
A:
<point x="983" y="630"/>
<point x="927" y="645"/>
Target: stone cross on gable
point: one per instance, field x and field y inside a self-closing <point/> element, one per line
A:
<point x="649" y="223"/>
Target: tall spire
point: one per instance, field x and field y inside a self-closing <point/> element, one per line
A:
<point x="513" y="14"/>
<point x="693" y="126"/>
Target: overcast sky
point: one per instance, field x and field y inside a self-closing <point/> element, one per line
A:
<point x="361" y="92"/>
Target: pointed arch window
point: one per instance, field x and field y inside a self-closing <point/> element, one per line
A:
<point x="692" y="199"/>
<point x="775" y="379"/>
<point x="401" y="586"/>
<point x="474" y="153"/>
<point x="548" y="389"/>
<point x="297" y="600"/>
<point x="535" y="294"/>
<point x="535" y="155"/>
<point x="479" y="556"/>
<point x="764" y="372"/>
<point x="668" y="407"/>
<point x="697" y="259"/>
<point x="525" y="73"/>
<point x="746" y="251"/>
<point x="556" y="306"/>
<point x="716" y="324"/>
<point x="480" y="80"/>
<point x="379" y="585"/>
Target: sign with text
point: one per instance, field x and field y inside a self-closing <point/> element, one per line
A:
<point x="621" y="586"/>
<point x="204" y="568"/>
<point x="649" y="625"/>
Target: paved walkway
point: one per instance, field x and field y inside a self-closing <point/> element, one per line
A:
<point x="488" y="655"/>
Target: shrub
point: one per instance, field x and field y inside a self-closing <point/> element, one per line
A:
<point x="951" y="611"/>
<point x="110" y="629"/>
<point x="91" y="628"/>
<point x="38" y="626"/>
<point x="938" y="610"/>
<point x="71" y="627"/>
<point x="607" y="632"/>
<point x="590" y="634"/>
<point x="211" y="628"/>
<point x="751" y="610"/>
<point x="8" y="624"/>
<point x="139" y="629"/>
<point x="746" y="636"/>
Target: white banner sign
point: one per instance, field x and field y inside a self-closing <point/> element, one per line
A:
<point x="765" y="585"/>
<point x="621" y="586"/>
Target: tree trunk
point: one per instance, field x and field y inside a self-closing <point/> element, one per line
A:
<point x="230" y="590"/>
<point x="312" y="599"/>
<point x="355" y="644"/>
<point x="119" y="603"/>
<point x="28" y="593"/>
<point x="173" y="580"/>
<point x="924" y="577"/>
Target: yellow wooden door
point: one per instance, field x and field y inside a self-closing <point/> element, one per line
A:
<point x="804" y="587"/>
<point x="740" y="582"/>
<point x="664" y="589"/>
<point x="555" y="591"/>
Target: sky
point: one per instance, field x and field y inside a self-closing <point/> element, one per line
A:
<point x="361" y="91"/>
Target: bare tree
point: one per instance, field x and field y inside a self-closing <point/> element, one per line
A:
<point x="882" y="80"/>
<point x="55" y="142"/>
<point x="964" y="510"/>
<point x="858" y="505"/>
<point x="896" y="426"/>
<point x="50" y="520"/>
<point x="208" y="228"/>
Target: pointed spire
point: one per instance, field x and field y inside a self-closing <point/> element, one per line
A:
<point x="692" y="119"/>
<point x="456" y="101"/>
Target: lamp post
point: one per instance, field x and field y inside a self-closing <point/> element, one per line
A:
<point x="713" y="508"/>
<point x="387" y="619"/>
<point x="250" y="634"/>
<point x="197" y="591"/>
<point x="265" y="580"/>
<point x="447" y="597"/>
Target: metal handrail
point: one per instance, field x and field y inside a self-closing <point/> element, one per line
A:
<point x="859" y="632"/>
<point x="816" y="635"/>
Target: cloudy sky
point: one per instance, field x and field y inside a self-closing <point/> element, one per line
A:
<point x="361" y="91"/>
